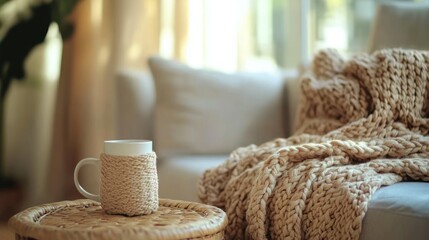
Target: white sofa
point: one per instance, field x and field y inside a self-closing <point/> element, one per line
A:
<point x="395" y="212"/>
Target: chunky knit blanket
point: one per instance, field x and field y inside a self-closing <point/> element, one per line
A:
<point x="363" y="124"/>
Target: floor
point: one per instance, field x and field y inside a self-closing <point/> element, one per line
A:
<point x="5" y="232"/>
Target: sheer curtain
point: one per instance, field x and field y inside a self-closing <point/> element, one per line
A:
<point x="231" y="35"/>
<point x="108" y="35"/>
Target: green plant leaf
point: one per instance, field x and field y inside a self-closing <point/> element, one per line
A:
<point x="19" y="41"/>
<point x="61" y="9"/>
<point x="3" y="2"/>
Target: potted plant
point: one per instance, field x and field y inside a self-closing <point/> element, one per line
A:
<point x="23" y="25"/>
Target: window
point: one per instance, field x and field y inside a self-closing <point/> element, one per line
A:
<point x="263" y="34"/>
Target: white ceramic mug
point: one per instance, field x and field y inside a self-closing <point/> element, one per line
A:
<point x="112" y="147"/>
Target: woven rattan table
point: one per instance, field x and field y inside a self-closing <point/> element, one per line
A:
<point x="84" y="219"/>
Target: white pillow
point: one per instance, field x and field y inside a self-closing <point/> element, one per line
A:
<point x="209" y="112"/>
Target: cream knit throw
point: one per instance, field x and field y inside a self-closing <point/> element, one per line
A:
<point x="129" y="184"/>
<point x="363" y="124"/>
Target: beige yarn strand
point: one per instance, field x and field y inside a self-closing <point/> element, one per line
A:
<point x="129" y="184"/>
<point x="363" y="124"/>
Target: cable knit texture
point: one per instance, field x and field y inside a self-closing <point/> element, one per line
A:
<point x="363" y="124"/>
<point x="129" y="184"/>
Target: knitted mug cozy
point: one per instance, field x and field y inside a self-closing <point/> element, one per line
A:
<point x="129" y="184"/>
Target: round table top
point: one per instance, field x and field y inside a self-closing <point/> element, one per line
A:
<point x="85" y="219"/>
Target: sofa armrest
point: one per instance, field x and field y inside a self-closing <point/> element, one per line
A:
<point x="135" y="100"/>
<point x="291" y="97"/>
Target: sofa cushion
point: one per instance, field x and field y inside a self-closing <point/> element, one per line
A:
<point x="209" y="112"/>
<point x="398" y="211"/>
<point x="135" y="102"/>
<point x="178" y="176"/>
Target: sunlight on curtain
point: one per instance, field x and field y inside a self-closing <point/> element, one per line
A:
<point x="167" y="28"/>
<point x="195" y="41"/>
<point x="51" y="61"/>
<point x="222" y="34"/>
<point x="138" y="27"/>
<point x="96" y="12"/>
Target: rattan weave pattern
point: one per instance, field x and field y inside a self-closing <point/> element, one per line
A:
<point x="84" y="219"/>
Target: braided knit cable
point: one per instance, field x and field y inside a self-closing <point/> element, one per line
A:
<point x="363" y="125"/>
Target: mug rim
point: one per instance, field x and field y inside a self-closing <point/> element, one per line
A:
<point x="129" y="141"/>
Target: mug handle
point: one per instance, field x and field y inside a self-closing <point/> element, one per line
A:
<point x="93" y="161"/>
